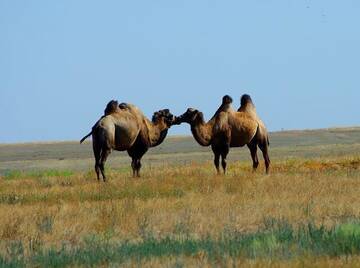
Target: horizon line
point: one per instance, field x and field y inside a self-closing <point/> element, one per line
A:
<point x="347" y="128"/>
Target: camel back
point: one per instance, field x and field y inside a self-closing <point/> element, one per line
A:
<point x="141" y="119"/>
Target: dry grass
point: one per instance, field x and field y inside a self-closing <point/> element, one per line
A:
<point x="61" y="209"/>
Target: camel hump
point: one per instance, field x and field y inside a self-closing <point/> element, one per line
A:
<point x="225" y="105"/>
<point x="123" y="106"/>
<point x="245" y="100"/>
<point x="111" y="107"/>
<point x="226" y="100"/>
<point x="246" y="104"/>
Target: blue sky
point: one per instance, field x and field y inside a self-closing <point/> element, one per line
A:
<point x="62" y="61"/>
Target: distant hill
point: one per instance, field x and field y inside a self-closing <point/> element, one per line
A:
<point x="178" y="149"/>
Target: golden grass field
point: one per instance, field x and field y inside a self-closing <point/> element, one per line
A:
<point x="63" y="209"/>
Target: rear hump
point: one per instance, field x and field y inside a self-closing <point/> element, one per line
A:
<point x="246" y="99"/>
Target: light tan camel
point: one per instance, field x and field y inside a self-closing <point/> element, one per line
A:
<point x="228" y="128"/>
<point x="262" y="137"/>
<point x="125" y="128"/>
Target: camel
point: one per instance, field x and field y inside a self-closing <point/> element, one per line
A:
<point x="229" y="128"/>
<point x="125" y="128"/>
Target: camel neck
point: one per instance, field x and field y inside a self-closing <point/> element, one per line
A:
<point x="157" y="133"/>
<point x="202" y="131"/>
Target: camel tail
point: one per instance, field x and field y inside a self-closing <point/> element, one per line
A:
<point x="268" y="141"/>
<point x="87" y="136"/>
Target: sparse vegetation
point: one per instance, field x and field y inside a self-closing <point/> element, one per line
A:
<point x="305" y="213"/>
<point x="277" y="241"/>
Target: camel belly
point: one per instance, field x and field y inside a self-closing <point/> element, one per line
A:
<point x="124" y="138"/>
<point x="120" y="134"/>
<point x="240" y="136"/>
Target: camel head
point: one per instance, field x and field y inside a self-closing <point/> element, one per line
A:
<point x="191" y="115"/>
<point x="163" y="116"/>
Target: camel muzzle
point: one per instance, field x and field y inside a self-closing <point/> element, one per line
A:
<point x="177" y="120"/>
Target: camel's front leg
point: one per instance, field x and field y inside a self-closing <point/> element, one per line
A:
<point x="138" y="167"/>
<point x="216" y="158"/>
<point x="133" y="166"/>
<point x="224" y="154"/>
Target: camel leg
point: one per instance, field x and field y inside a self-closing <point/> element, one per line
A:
<point x="104" y="155"/>
<point x="253" y="150"/>
<point x="138" y="167"/>
<point x="97" y="170"/>
<point x="217" y="163"/>
<point x="136" y="152"/>
<point x="264" y="148"/>
<point x="224" y="154"/>
<point x="97" y="153"/>
<point x="133" y="166"/>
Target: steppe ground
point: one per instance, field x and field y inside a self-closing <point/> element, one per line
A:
<point x="54" y="213"/>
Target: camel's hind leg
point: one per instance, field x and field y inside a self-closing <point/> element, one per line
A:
<point x="264" y="148"/>
<point x="97" y="155"/>
<point x="104" y="155"/>
<point x="253" y="150"/>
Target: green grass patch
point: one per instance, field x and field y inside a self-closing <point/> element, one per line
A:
<point x="277" y="240"/>
<point x="51" y="173"/>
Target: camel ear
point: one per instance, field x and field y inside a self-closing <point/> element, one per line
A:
<point x="189" y="110"/>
